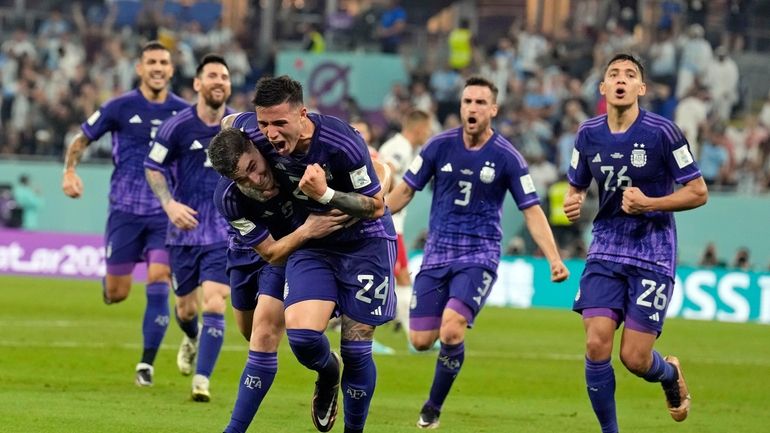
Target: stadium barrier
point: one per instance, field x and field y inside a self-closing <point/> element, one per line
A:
<point x="704" y="294"/>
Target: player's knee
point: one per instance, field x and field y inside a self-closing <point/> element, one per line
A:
<point x="635" y="362"/>
<point x="452" y="332"/>
<point x="116" y="292"/>
<point x="423" y="342"/>
<point x="598" y="348"/>
<point x="186" y="311"/>
<point x="265" y="339"/>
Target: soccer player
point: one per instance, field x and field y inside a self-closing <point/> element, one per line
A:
<point x="325" y="164"/>
<point x="635" y="157"/>
<point x="197" y="235"/>
<point x="398" y="152"/>
<point x="255" y="261"/>
<point x="473" y="167"/>
<point x="136" y="226"/>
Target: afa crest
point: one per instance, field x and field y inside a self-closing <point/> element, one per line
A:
<point x="487" y="173"/>
<point x="638" y="156"/>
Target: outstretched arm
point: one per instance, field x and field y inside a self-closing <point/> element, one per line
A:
<point x="538" y="227"/>
<point x="71" y="184"/>
<point x="313" y="184"/>
<point x="401" y="195"/>
<point x="316" y="226"/>
<point x="179" y="214"/>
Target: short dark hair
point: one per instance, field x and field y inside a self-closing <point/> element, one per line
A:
<point x="481" y="81"/>
<point x="625" y="56"/>
<point x="226" y="148"/>
<point x="152" y="46"/>
<point x="272" y="91"/>
<point x="210" y="58"/>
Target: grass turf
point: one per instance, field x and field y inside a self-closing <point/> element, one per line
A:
<point x="67" y="362"/>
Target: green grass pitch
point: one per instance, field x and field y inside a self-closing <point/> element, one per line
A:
<point x="66" y="365"/>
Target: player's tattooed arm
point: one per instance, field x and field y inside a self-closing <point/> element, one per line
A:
<point x="178" y="213"/>
<point x="75" y="151"/>
<point x="358" y="205"/>
<point x="159" y="186"/>
<point x="313" y="184"/>
<point x="356" y="331"/>
<point x="71" y="184"/>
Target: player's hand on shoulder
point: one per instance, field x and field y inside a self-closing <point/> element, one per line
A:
<point x="559" y="272"/>
<point x="321" y="225"/>
<point x="71" y="184"/>
<point x="635" y="201"/>
<point x="572" y="204"/>
<point x="313" y="182"/>
<point x="181" y="215"/>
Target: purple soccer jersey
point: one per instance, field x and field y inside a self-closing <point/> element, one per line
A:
<point x="133" y="121"/>
<point x="651" y="155"/>
<point x="181" y="147"/>
<point x="251" y="221"/>
<point x="342" y="153"/>
<point x="470" y="187"/>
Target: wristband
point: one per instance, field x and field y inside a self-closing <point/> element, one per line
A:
<point x="326" y="198"/>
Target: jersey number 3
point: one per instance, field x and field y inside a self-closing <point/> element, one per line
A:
<point x="465" y="190"/>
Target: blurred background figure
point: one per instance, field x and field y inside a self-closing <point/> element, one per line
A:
<point x="29" y="199"/>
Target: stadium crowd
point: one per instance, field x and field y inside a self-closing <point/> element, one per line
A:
<point x="58" y="68"/>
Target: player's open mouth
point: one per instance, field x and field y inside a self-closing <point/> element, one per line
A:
<point x="472" y="120"/>
<point x="279" y="145"/>
<point x="620" y="93"/>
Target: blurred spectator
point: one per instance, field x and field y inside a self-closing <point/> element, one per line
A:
<point x="566" y="234"/>
<point x="722" y="81"/>
<point x="314" y="41"/>
<point x="392" y="26"/>
<point x="737" y="24"/>
<point x="709" y="258"/>
<point x="29" y="200"/>
<point x="461" y="45"/>
<point x="696" y="56"/>
<point x="714" y="160"/>
<point x="691" y="115"/>
<point x="515" y="247"/>
<point x="697" y="11"/>
<point x="446" y="85"/>
<point x="663" y="58"/>
<point x="741" y="260"/>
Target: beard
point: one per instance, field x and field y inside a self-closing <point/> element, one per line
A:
<point x="213" y="101"/>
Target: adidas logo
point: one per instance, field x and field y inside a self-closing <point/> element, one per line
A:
<point x="377" y="311"/>
<point x="655" y="317"/>
<point x="196" y="145"/>
<point x="447" y="168"/>
<point x="597" y="158"/>
<point x="135" y="119"/>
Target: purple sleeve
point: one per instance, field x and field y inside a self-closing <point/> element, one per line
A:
<point x="679" y="160"/>
<point x="422" y="167"/>
<point x="520" y="183"/>
<point x="357" y="163"/>
<point x="249" y="231"/>
<point x="101" y="121"/>
<point x="579" y="173"/>
<point x="164" y="150"/>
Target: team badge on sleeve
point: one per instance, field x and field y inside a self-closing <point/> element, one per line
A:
<point x="243" y="226"/>
<point x="575" y="158"/>
<point x="683" y="157"/>
<point x="360" y="178"/>
<point x="527" y="184"/>
<point x="416" y="164"/>
<point x="94" y="117"/>
<point x="158" y="152"/>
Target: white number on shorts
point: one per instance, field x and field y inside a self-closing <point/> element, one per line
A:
<point x="381" y="292"/>
<point x="483" y="290"/>
<point x="465" y="189"/>
<point x="660" y="299"/>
